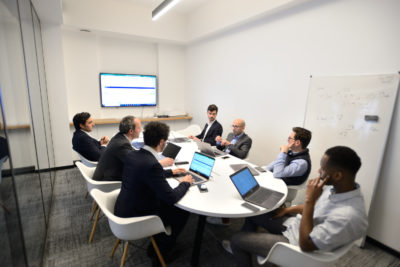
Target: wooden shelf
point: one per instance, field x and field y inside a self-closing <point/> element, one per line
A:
<point x="14" y="127"/>
<point x="116" y="121"/>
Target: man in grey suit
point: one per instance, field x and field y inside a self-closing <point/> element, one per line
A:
<point x="237" y="143"/>
<point x="111" y="162"/>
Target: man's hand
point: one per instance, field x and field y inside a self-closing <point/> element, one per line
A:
<point x="218" y="139"/>
<point x="225" y="143"/>
<point x="280" y="212"/>
<point x="166" y="162"/>
<point x="193" y="137"/>
<point x="285" y="148"/>
<point x="314" y="189"/>
<point x="178" y="171"/>
<point x="104" y="140"/>
<point x="188" y="178"/>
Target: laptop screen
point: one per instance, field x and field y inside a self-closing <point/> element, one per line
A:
<point x="202" y="164"/>
<point x="244" y="181"/>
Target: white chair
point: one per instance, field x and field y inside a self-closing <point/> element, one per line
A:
<point x="127" y="229"/>
<point x="193" y="129"/>
<point x="292" y="192"/>
<point x="87" y="162"/>
<point x="287" y="255"/>
<point x="105" y="186"/>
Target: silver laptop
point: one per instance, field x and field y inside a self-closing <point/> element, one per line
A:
<point x="201" y="167"/>
<point x="251" y="191"/>
<point x="207" y="149"/>
<point x="240" y="166"/>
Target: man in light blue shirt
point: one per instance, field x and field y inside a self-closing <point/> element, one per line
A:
<point x="326" y="221"/>
<point x="293" y="164"/>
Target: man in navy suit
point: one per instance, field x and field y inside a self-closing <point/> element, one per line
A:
<point x="212" y="129"/>
<point x="145" y="190"/>
<point x="82" y="142"/>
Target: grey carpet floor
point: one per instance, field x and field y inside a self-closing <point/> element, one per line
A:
<point x="69" y="229"/>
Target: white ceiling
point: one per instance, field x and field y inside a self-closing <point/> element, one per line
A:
<point x="183" y="7"/>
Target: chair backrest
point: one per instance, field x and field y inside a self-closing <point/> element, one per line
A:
<point x="87" y="173"/>
<point x="193" y="129"/>
<point x="127" y="228"/>
<point x="87" y="162"/>
<point x="284" y="254"/>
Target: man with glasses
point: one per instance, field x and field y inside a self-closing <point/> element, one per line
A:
<point x="237" y="143"/>
<point x="293" y="164"/>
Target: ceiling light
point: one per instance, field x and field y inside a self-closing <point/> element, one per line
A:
<point x="163" y="8"/>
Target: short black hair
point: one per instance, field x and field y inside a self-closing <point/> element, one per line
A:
<point x="303" y="135"/>
<point x="127" y="123"/>
<point x="153" y="133"/>
<point x="80" y="118"/>
<point x="212" y="107"/>
<point x="342" y="157"/>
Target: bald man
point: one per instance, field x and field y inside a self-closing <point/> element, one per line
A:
<point x="237" y="143"/>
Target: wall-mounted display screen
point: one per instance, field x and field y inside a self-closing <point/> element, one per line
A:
<point x="127" y="90"/>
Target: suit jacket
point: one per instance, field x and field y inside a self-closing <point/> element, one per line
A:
<point x="112" y="160"/>
<point x="87" y="146"/>
<point x="144" y="186"/>
<point x="215" y="130"/>
<point x="241" y="148"/>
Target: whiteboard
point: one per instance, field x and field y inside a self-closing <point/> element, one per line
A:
<point x="335" y="114"/>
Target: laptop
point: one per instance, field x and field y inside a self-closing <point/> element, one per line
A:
<point x="239" y="166"/>
<point x="171" y="150"/>
<point x="180" y="140"/>
<point x="201" y="167"/>
<point x="252" y="192"/>
<point x="207" y="149"/>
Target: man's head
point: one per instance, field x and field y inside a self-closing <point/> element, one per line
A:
<point x="238" y="126"/>
<point x="83" y="121"/>
<point x="156" y="133"/>
<point x="299" y="138"/>
<point x="130" y="126"/>
<point x="339" y="164"/>
<point x="212" y="112"/>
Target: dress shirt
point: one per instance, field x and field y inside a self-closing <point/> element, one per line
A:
<point x="209" y="124"/>
<point x="234" y="140"/>
<point x="338" y="220"/>
<point x="297" y="167"/>
<point x="152" y="151"/>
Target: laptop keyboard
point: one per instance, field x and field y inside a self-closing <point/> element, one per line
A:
<point x="258" y="197"/>
<point x="195" y="177"/>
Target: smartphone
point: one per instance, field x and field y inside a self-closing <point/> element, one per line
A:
<point x="250" y="207"/>
<point x="225" y="157"/>
<point x="260" y="169"/>
<point x="202" y="188"/>
<point x="181" y="162"/>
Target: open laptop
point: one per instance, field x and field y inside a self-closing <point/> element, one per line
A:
<point x="201" y="167"/>
<point x="207" y="149"/>
<point x="171" y="150"/>
<point x="251" y="191"/>
<point x="240" y="166"/>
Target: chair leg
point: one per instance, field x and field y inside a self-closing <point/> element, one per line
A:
<point x="94" y="225"/>
<point x="114" y="248"/>
<point x="94" y="208"/>
<point x="125" y="253"/>
<point x="160" y="257"/>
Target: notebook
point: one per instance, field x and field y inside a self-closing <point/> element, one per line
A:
<point x="237" y="167"/>
<point x="252" y="192"/>
<point x="207" y="149"/>
<point x="171" y="150"/>
<point x="201" y="167"/>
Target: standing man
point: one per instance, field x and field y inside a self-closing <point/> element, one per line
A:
<point x="293" y="164"/>
<point x="327" y="220"/>
<point x="145" y="190"/>
<point x="82" y="142"/>
<point x="237" y="143"/>
<point x="212" y="129"/>
<point x="111" y="162"/>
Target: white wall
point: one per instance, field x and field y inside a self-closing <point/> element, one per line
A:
<point x="260" y="72"/>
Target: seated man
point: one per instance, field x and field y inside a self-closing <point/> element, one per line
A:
<point x="145" y="190"/>
<point x="237" y="143"/>
<point x="82" y="142"/>
<point x="326" y="221"/>
<point x="212" y="129"/>
<point x="293" y="164"/>
<point x="112" y="160"/>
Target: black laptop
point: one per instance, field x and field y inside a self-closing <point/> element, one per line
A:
<point x="171" y="150"/>
<point x="251" y="191"/>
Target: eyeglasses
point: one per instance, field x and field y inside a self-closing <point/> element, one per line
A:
<point x="236" y="126"/>
<point x="290" y="138"/>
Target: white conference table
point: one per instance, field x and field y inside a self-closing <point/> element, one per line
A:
<point x="222" y="198"/>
